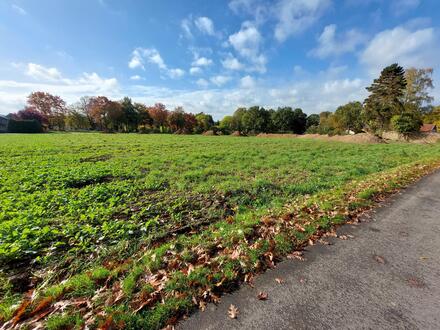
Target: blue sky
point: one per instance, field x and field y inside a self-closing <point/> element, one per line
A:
<point x="212" y="56"/>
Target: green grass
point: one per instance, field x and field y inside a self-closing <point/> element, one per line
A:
<point x="113" y="209"/>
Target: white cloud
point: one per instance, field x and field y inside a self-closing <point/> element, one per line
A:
<point x="19" y="10"/>
<point x="195" y="70"/>
<point x="417" y="48"/>
<point x="257" y="8"/>
<point x="220" y="80"/>
<point x="202" y="61"/>
<point x="247" y="43"/>
<point x="136" y="77"/>
<point x="151" y="55"/>
<point x="205" y="25"/>
<point x="295" y="16"/>
<point x="247" y="82"/>
<point x="176" y="73"/>
<point x="186" y="27"/>
<point x="13" y="94"/>
<point x="231" y="63"/>
<point x="40" y="72"/>
<point x="330" y="44"/>
<point x="202" y="83"/>
<point x="141" y="56"/>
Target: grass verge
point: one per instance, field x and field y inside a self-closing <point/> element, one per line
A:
<point x="157" y="285"/>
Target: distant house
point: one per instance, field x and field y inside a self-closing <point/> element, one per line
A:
<point x="3" y="124"/>
<point x="428" y="128"/>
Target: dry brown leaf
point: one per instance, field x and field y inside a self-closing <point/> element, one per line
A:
<point x="299" y="228"/>
<point x="296" y="255"/>
<point x="202" y="305"/>
<point x="379" y="259"/>
<point x="249" y="279"/>
<point x="169" y="327"/>
<point x="279" y="280"/>
<point x="262" y="295"/>
<point x="233" y="312"/>
<point x="311" y="242"/>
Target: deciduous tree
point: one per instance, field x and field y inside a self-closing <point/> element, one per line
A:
<point x="418" y="83"/>
<point x="50" y="105"/>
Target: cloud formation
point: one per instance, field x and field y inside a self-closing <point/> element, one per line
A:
<point x="141" y="56"/>
<point x="419" y="48"/>
<point x="329" y="44"/>
<point x="295" y="16"/>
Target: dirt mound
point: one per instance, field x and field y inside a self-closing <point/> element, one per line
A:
<point x="209" y="133"/>
<point x="273" y="135"/>
<point x="356" y="138"/>
<point x="420" y="138"/>
<point x="236" y="133"/>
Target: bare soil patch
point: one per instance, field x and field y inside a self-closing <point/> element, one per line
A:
<point x="357" y="138"/>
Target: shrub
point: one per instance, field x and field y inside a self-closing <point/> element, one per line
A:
<point x="24" y="126"/>
<point x="406" y="123"/>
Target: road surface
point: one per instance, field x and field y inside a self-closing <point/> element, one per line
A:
<point x="386" y="277"/>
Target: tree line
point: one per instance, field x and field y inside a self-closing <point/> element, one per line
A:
<point x="398" y="100"/>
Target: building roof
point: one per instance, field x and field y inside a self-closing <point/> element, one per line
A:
<point x="428" y="128"/>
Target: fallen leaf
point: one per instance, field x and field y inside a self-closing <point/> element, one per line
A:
<point x="279" y="280"/>
<point x="262" y="295"/>
<point x="233" y="312"/>
<point x="379" y="259"/>
<point x="168" y="327"/>
<point x="296" y="255"/>
<point x="311" y="242"/>
<point x="415" y="282"/>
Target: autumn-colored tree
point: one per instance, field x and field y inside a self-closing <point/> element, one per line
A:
<point x="31" y="113"/>
<point x="50" y="105"/>
<point x="176" y="119"/>
<point x="106" y="113"/>
<point x="190" y="123"/>
<point x="159" y="114"/>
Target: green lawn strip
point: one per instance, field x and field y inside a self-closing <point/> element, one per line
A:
<point x="156" y="286"/>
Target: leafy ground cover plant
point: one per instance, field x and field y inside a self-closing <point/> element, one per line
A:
<point x="135" y="230"/>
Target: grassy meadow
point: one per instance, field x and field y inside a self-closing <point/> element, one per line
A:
<point x="131" y="231"/>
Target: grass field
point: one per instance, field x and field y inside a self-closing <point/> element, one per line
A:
<point x="133" y="230"/>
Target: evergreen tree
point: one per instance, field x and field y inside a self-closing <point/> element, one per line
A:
<point x="385" y="99"/>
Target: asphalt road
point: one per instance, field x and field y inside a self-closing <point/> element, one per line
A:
<point x="386" y="277"/>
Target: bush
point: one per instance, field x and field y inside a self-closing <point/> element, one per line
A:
<point x="406" y="123"/>
<point x="24" y="126"/>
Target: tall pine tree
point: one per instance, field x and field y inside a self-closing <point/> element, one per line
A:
<point x="385" y="99"/>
